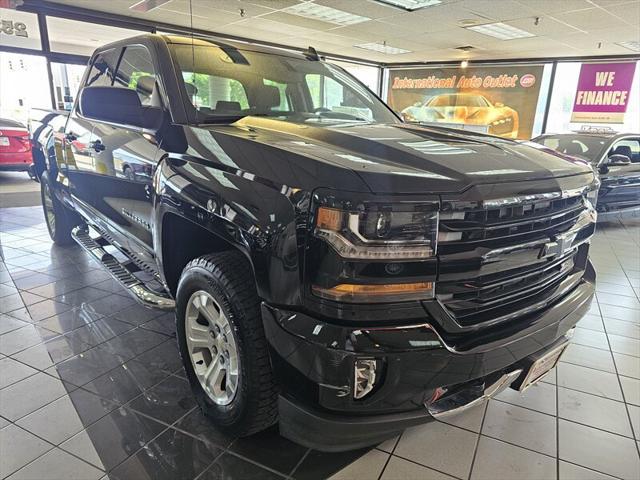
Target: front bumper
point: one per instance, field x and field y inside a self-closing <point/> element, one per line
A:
<point x="314" y="364"/>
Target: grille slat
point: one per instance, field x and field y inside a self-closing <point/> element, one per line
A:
<point x="471" y="229"/>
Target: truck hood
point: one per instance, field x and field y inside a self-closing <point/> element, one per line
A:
<point x="393" y="158"/>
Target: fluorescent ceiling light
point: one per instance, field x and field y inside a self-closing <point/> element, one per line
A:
<point x="382" y="48"/>
<point x="631" y="45"/>
<point x="411" y="5"/>
<point x="147" y="5"/>
<point x="325" y="14"/>
<point x="501" y="31"/>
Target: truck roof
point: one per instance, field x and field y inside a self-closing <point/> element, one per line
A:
<point x="207" y="40"/>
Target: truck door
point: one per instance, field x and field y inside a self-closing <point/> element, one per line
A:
<point x="76" y="144"/>
<point x="124" y="161"/>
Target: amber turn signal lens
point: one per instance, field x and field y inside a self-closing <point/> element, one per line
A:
<point x="329" y="219"/>
<point x="364" y="293"/>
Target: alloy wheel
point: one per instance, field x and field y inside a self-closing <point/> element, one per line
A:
<point x="212" y="347"/>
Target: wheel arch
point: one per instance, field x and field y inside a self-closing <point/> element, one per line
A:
<point x="182" y="241"/>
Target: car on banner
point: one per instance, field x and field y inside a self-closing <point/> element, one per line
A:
<point x="468" y="109"/>
<point x="616" y="157"/>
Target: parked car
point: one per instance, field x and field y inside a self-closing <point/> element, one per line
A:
<point x="344" y="275"/>
<point x="15" y="148"/>
<point x="468" y="109"/>
<point x="616" y="156"/>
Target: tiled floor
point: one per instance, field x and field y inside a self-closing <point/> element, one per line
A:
<point x="91" y="385"/>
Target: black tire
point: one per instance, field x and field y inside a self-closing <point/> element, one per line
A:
<point x="228" y="278"/>
<point x="59" y="219"/>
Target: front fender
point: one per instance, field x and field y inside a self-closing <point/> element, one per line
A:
<point x="259" y="219"/>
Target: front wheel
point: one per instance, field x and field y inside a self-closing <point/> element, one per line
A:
<point x="222" y="343"/>
<point x="59" y="219"/>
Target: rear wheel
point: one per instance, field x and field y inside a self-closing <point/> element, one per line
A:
<point x="59" y="219"/>
<point x="222" y="343"/>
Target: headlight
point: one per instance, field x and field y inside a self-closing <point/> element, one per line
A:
<point x="380" y="231"/>
<point x="368" y="251"/>
<point x="592" y="195"/>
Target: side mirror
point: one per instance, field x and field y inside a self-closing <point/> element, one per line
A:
<point x="618" y="160"/>
<point x="118" y="105"/>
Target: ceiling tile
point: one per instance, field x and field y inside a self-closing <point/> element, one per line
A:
<point x="367" y="8"/>
<point x="541" y="7"/>
<point x="546" y="26"/>
<point x="590" y="19"/>
<point x="233" y="6"/>
<point x="298" y="21"/>
<point x="497" y="11"/>
<point x="272" y="4"/>
<point x="629" y="13"/>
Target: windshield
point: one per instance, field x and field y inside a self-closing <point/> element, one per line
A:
<point x="588" y="147"/>
<point x="458" y="101"/>
<point x="226" y="83"/>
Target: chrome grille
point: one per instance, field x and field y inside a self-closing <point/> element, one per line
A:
<point x="494" y="265"/>
<point x="512" y="221"/>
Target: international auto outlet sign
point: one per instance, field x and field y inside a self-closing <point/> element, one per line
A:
<point x="603" y="92"/>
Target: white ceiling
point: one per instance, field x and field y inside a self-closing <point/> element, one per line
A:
<point x="566" y="28"/>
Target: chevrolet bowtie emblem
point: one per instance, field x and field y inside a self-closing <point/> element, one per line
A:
<point x="552" y="248"/>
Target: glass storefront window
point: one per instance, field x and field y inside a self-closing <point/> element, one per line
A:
<point x="66" y="82"/>
<point x="82" y="38"/>
<point x="368" y="75"/>
<point x="23" y="85"/>
<point x="563" y="95"/>
<point x="19" y="29"/>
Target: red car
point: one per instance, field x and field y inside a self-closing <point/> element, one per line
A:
<point x="15" y="147"/>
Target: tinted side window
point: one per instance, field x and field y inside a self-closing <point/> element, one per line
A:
<point x="136" y="71"/>
<point x="629" y="147"/>
<point x="103" y="69"/>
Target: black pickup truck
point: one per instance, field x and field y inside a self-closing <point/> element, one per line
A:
<point x="333" y="269"/>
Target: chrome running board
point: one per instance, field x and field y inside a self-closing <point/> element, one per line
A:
<point x="120" y="272"/>
<point x="467" y="398"/>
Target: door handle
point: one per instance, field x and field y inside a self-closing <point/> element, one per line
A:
<point x="97" y="145"/>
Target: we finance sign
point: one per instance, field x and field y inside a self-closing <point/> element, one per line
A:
<point x="603" y="92"/>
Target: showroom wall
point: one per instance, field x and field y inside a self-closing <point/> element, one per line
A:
<point x="42" y="59"/>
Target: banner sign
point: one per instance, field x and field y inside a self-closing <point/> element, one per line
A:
<point x="603" y="91"/>
<point x="498" y="100"/>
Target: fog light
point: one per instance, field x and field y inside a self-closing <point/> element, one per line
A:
<point x="365" y="377"/>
